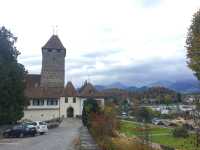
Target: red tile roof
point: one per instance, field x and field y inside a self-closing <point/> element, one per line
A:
<point x="70" y="90"/>
<point x="32" y="91"/>
<point x="32" y="80"/>
<point x="41" y="92"/>
<point x="88" y="90"/>
<point x="53" y="43"/>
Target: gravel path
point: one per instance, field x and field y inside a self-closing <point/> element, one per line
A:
<point x="60" y="138"/>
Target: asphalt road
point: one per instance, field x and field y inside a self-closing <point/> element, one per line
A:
<point x="60" y="138"/>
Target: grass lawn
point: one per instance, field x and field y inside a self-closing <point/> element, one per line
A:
<point x="158" y="135"/>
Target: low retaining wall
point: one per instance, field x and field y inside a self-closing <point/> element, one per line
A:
<point x="86" y="140"/>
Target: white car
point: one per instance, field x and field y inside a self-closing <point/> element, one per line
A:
<point x="40" y="126"/>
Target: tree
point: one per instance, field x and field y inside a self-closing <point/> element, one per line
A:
<point x="144" y="114"/>
<point x="193" y="55"/>
<point x="167" y="99"/>
<point x="136" y="106"/>
<point x="179" y="97"/>
<point x="180" y="132"/>
<point x="193" y="45"/>
<point x="89" y="106"/>
<point x="12" y="74"/>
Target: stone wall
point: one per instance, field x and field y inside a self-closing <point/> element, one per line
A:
<point x="53" y="68"/>
<point x="86" y="140"/>
<point x="41" y="114"/>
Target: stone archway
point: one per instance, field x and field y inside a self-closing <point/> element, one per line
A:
<point x="70" y="112"/>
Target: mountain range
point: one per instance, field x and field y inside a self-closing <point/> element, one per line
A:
<point x="184" y="86"/>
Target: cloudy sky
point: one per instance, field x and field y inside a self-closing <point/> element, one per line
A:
<point x="132" y="41"/>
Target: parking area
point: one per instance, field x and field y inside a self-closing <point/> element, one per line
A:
<point x="60" y="138"/>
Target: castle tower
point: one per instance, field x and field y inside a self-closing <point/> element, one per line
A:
<point x="53" y="63"/>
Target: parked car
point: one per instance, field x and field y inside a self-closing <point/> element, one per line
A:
<point x="124" y="114"/>
<point x="20" y="131"/>
<point x="40" y="126"/>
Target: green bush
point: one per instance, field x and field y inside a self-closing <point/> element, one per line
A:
<point x="180" y="132"/>
<point x="144" y="114"/>
<point x="89" y="106"/>
<point x="164" y="147"/>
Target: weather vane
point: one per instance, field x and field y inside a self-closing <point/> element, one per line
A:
<point x="55" y="30"/>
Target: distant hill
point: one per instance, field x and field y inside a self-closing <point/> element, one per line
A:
<point x="161" y="83"/>
<point x="116" y="85"/>
<point x="100" y="87"/>
<point x="136" y="89"/>
<point x="185" y="86"/>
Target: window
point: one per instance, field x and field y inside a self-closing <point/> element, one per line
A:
<point x="38" y="102"/>
<point x="66" y="100"/>
<point x="33" y="123"/>
<point x="49" y="50"/>
<point x="42" y="123"/>
<point x="17" y="127"/>
<point x="58" y="50"/>
<point x="74" y="99"/>
<point x="52" y="102"/>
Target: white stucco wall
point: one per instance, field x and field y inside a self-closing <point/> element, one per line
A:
<point x="41" y="114"/>
<point x="65" y="105"/>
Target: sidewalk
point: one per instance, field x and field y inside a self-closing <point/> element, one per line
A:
<point x="86" y="140"/>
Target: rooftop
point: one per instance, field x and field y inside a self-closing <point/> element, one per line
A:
<point x="54" y="43"/>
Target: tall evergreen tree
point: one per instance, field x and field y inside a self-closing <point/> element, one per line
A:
<point x="12" y="83"/>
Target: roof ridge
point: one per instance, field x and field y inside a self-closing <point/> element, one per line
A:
<point x="54" y="43"/>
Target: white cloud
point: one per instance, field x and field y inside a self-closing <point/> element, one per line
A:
<point x="141" y="29"/>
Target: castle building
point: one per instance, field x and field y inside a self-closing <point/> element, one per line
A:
<point x="47" y="94"/>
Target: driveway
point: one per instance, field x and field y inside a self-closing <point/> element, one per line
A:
<point x="60" y="138"/>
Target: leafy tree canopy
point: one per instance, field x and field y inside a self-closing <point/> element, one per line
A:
<point x="89" y="106"/>
<point x="193" y="45"/>
<point x="12" y="99"/>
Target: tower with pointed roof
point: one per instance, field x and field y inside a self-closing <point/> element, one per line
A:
<point x="53" y="63"/>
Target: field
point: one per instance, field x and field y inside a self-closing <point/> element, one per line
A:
<point x="159" y="135"/>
